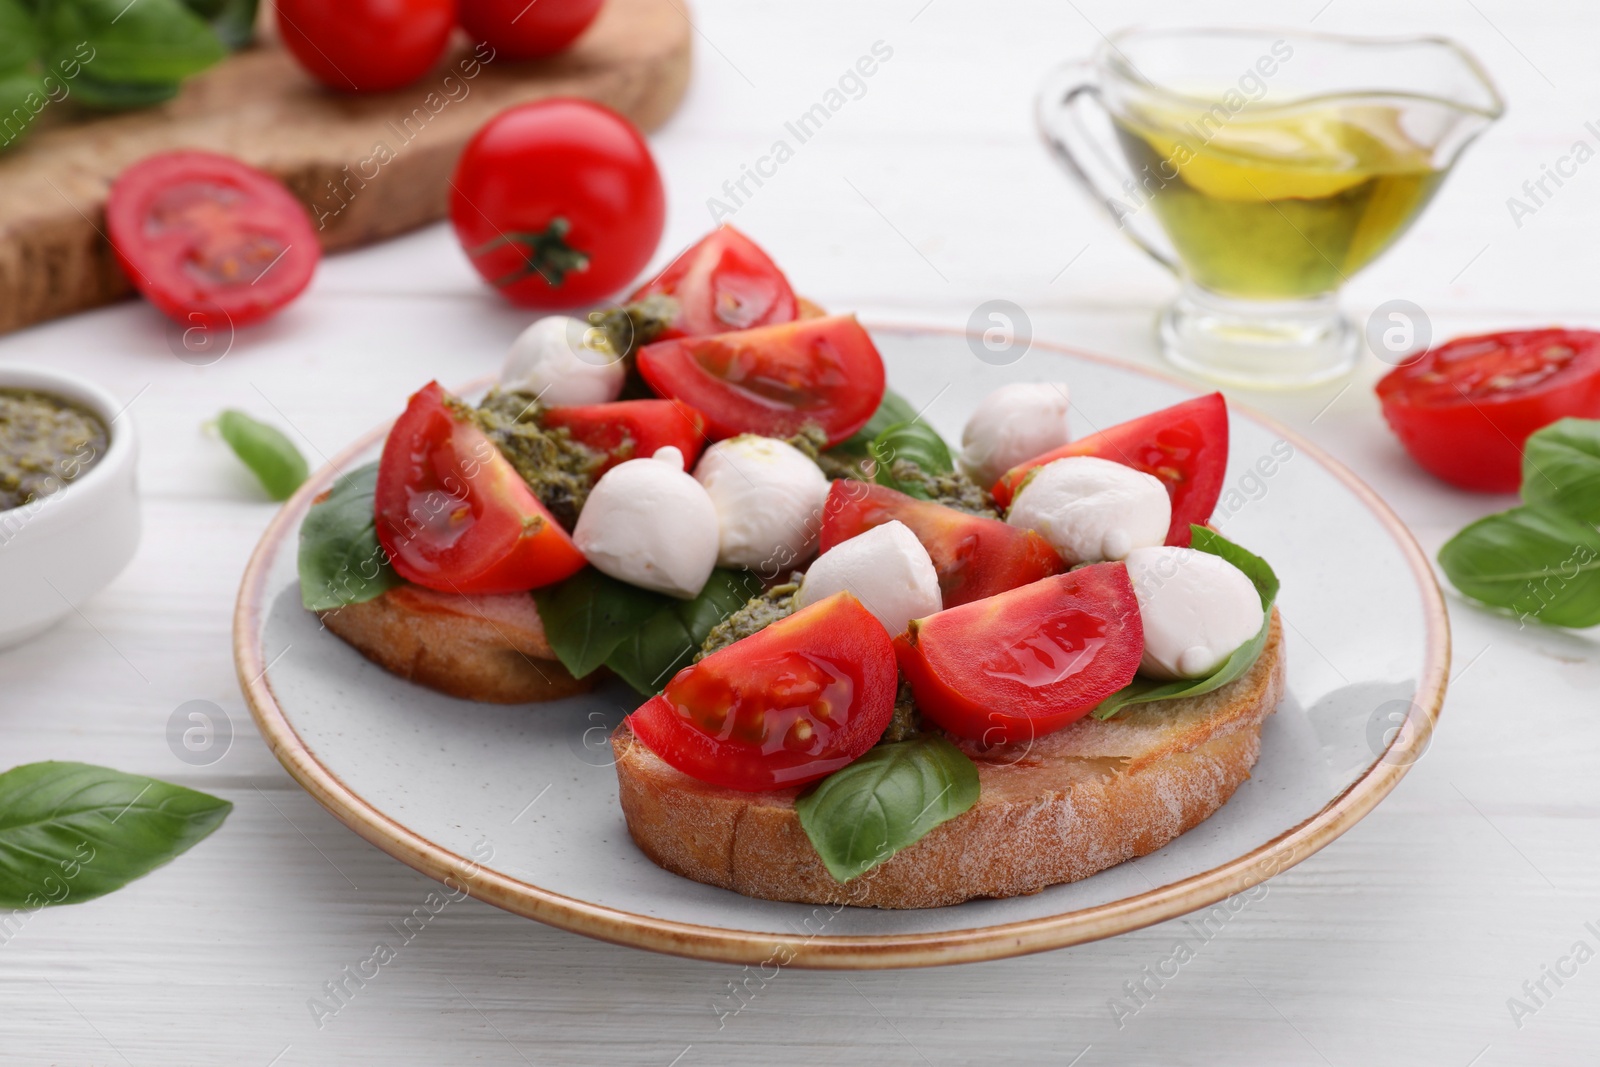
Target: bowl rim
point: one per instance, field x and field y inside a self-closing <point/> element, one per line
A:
<point x="76" y="389"/>
<point x="855" y="952"/>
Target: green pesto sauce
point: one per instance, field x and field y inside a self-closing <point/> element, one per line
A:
<point x="758" y="613"/>
<point x="907" y="721"/>
<point x="558" y="469"/>
<point x="949" y="488"/>
<point x="45" y="442"/>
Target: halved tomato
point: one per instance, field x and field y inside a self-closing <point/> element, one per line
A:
<point x="775" y="380"/>
<point x="630" y="429"/>
<point x="1025" y="663"/>
<point x="724" y="282"/>
<point x="1186" y="446"/>
<point x="208" y="240"/>
<point x="975" y="557"/>
<point x="787" y="705"/>
<point x="1464" y="410"/>
<point x="454" y="515"/>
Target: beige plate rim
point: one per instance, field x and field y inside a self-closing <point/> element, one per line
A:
<point x="854" y="952"/>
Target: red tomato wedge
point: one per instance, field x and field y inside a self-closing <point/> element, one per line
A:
<point x="1024" y="663"/>
<point x="1186" y="446"/>
<point x="630" y="429"/>
<point x="454" y="515"/>
<point x="774" y="380"/>
<point x="1464" y="409"/>
<point x="975" y="557"/>
<point x="722" y="283"/>
<point x="208" y="240"/>
<point x="785" y="706"/>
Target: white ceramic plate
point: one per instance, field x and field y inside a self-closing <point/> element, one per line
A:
<point x="519" y="804"/>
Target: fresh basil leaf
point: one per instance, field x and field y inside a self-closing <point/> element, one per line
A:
<point x="862" y="814"/>
<point x="70" y="832"/>
<point x="234" y="21"/>
<point x="1145" y="690"/>
<point x="1561" y="469"/>
<point x="667" y="641"/>
<point x="916" y="443"/>
<point x="587" y="616"/>
<point x="1539" y="563"/>
<point x="21" y="99"/>
<point x="270" y="455"/>
<point x="150" y="42"/>
<point x="20" y="43"/>
<point x="341" y="561"/>
<point x="893" y="409"/>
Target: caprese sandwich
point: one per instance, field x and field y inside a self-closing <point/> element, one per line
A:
<point x="875" y="671"/>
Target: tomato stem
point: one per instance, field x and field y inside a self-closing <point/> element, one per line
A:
<point x="545" y="253"/>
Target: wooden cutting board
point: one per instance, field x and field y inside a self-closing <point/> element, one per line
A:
<point x="367" y="167"/>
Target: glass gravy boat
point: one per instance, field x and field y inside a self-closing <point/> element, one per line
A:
<point x="1264" y="168"/>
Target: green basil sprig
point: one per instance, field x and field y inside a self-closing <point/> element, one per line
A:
<point x="1561" y="469"/>
<point x="890" y="798"/>
<point x="1541" y="560"/>
<point x="269" y="454"/>
<point x="1538" y="562"/>
<point x="341" y="561"/>
<point x="645" y="638"/>
<point x="1144" y="690"/>
<point x="70" y="832"/>
<point x="107" y="54"/>
<point x="145" y="43"/>
<point x="892" y="409"/>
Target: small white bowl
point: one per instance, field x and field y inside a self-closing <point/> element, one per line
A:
<point x="60" y="550"/>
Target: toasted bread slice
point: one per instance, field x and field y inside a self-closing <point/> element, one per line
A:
<point x="489" y="648"/>
<point x="1055" y="810"/>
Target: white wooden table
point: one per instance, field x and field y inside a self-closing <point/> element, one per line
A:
<point x="1399" y="944"/>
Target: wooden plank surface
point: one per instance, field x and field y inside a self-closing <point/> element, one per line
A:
<point x="367" y="166"/>
<point x="926" y="194"/>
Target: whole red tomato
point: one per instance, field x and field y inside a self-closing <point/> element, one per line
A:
<point x="366" y="46"/>
<point x="517" y="29"/>
<point x="558" y="203"/>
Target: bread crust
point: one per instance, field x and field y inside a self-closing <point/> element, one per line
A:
<point x="488" y="648"/>
<point x="1068" y="805"/>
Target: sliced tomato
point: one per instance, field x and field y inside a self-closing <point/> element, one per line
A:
<point x="787" y="705"/>
<point x="975" y="557"/>
<point x="1186" y="446"/>
<point x="1024" y="663"/>
<point x="774" y="380"/>
<point x="208" y="240"/>
<point x="1464" y="409"/>
<point x="454" y="515"/>
<point x="724" y="282"/>
<point x="630" y="429"/>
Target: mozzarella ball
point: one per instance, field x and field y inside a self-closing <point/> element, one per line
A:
<point x="1093" y="509"/>
<point x="563" y="360"/>
<point x="768" y="497"/>
<point x="649" y="524"/>
<point x="1197" y="609"/>
<point x="1013" y="424"/>
<point x="886" y="568"/>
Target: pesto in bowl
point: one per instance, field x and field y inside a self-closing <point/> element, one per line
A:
<point x="45" y="442"/>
